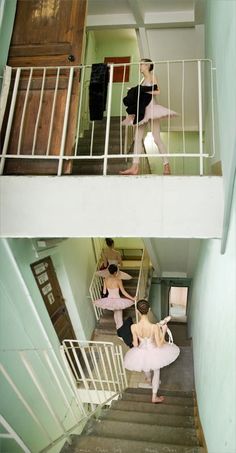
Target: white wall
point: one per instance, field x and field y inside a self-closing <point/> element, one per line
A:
<point x="112" y="206"/>
<point x="178" y="44"/>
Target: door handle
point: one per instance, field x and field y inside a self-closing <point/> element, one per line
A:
<point x="71" y="58"/>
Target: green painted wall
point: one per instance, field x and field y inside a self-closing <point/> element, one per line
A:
<point x="114" y="43"/>
<point x="212" y="303"/>
<point x="19" y="330"/>
<point x="75" y="262"/>
<point x="213" y="329"/>
<point x="220" y="46"/>
<point x="179" y="165"/>
<point x="7" y="15"/>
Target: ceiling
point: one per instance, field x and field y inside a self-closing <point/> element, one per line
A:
<point x="144" y="13"/>
<point x="175" y="257"/>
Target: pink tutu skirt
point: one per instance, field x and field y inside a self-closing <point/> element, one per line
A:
<point x="152" y="111"/>
<point x="113" y="301"/>
<point x="147" y="356"/>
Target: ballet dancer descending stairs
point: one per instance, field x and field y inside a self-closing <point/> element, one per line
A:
<point x="134" y="423"/>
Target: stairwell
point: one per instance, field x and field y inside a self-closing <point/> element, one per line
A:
<point x="133" y="422"/>
<point x="95" y="166"/>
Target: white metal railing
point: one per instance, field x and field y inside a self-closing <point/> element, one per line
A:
<point x="33" y="129"/>
<point x="141" y="291"/>
<point x="95" y="369"/>
<point x="94" y="374"/>
<point x="11" y="434"/>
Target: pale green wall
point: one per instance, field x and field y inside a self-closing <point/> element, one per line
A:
<point x="19" y="330"/>
<point x="7" y="15"/>
<point x="220" y="46"/>
<point x="114" y="43"/>
<point x="213" y="329"/>
<point x="75" y="264"/>
<point x="179" y="165"/>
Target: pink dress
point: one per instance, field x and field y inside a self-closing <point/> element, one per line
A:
<point x="113" y="301"/>
<point x="147" y="356"/>
<point x="152" y="111"/>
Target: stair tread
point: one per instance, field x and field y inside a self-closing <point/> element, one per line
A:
<point x="155" y="433"/>
<point x="82" y="444"/>
<point x="144" y="391"/>
<point x="150" y="418"/>
<point x="149" y="407"/>
<point x="173" y="400"/>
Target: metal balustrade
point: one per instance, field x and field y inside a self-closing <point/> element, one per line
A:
<point x="44" y="113"/>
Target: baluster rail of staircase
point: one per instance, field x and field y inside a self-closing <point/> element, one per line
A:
<point x="45" y="115"/>
<point x="141" y="291"/>
<point x="57" y="401"/>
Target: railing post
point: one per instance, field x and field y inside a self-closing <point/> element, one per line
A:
<point x="10" y="119"/>
<point x="200" y="116"/>
<point x="108" y="120"/>
<point x="66" y="117"/>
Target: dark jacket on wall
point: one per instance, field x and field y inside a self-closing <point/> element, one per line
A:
<point x="98" y="90"/>
<point x="131" y="101"/>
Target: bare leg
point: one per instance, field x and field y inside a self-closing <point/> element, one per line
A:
<point x="138" y="145"/>
<point x="118" y="317"/>
<point x="155" y="387"/>
<point x="161" y="147"/>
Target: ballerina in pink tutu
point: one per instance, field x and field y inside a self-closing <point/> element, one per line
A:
<point x="153" y="112"/>
<point x="150" y="351"/>
<point x="113" y="301"/>
<point x="111" y="256"/>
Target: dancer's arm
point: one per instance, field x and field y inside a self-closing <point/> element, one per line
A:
<point x="159" y="335"/>
<point x="121" y="287"/>
<point x="104" y="287"/>
<point x="135" y="337"/>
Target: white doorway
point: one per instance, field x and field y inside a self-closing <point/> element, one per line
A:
<point x="178" y="297"/>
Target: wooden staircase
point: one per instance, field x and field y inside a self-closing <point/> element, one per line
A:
<point x="133" y="423"/>
<point x="95" y="166"/>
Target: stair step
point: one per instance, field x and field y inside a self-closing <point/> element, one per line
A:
<point x="130" y="430"/>
<point x="185" y="421"/>
<point x="178" y="393"/>
<point x="173" y="400"/>
<point x="92" y="444"/>
<point x="155" y="408"/>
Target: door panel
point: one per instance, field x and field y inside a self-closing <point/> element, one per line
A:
<point x="53" y="31"/>
<point x="47" y="282"/>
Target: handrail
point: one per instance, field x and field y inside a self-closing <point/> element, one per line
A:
<point x="57" y="148"/>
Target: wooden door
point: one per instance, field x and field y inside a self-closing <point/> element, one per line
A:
<point x="46" y="279"/>
<point x="46" y="33"/>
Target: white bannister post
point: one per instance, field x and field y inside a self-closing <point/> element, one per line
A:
<point x="10" y="119"/>
<point x="108" y="120"/>
<point x="200" y="116"/>
<point x="66" y="117"/>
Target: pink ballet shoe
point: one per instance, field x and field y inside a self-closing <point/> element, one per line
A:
<point x="166" y="169"/>
<point x="164" y="321"/>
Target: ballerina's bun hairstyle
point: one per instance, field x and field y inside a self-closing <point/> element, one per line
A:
<point x="109" y="242"/>
<point x="147" y="60"/>
<point x="112" y="269"/>
<point x="143" y="306"/>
